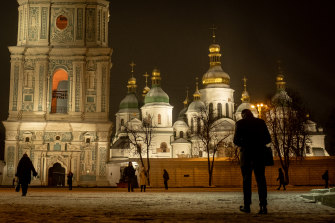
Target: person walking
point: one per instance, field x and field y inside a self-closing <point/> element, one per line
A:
<point x="143" y="179"/>
<point x="251" y="135"/>
<point x="325" y="177"/>
<point x="69" y="179"/>
<point x="23" y="172"/>
<point x="281" y="179"/>
<point x="130" y="175"/>
<point x="166" y="178"/>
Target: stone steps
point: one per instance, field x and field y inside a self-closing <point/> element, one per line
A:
<point x="324" y="196"/>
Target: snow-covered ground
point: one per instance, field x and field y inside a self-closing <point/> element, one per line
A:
<point x="155" y="205"/>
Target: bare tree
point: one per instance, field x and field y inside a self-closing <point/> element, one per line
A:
<point x="286" y="120"/>
<point x="141" y="134"/>
<point x="211" y="134"/>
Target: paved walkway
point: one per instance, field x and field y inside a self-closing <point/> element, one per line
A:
<point x="156" y="205"/>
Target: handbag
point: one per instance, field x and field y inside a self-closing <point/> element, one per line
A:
<point x="268" y="156"/>
<point x="17" y="188"/>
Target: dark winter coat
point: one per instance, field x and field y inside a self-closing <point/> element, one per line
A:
<point x="24" y="170"/>
<point x="129" y="172"/>
<point x="69" y="178"/>
<point x="281" y="177"/>
<point x="251" y="134"/>
<point x="166" y="176"/>
<point x="325" y="176"/>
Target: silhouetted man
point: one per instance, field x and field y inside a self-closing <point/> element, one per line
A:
<point x="325" y="177"/>
<point x="130" y="175"/>
<point x="251" y="135"/>
<point x="23" y="172"/>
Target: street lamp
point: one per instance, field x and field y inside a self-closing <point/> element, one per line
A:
<point x="259" y="108"/>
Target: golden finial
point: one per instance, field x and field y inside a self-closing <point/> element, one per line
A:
<point x="132" y="67"/>
<point x="213" y="28"/>
<point x="245" y="95"/>
<point x="245" y="83"/>
<point x="146" y="75"/>
<point x="146" y="88"/>
<point x="185" y="102"/>
<point x="196" y="95"/>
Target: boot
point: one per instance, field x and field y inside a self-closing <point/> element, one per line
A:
<point x="263" y="209"/>
<point x="245" y="209"/>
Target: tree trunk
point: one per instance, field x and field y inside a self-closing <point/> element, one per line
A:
<point x="286" y="177"/>
<point x="148" y="164"/>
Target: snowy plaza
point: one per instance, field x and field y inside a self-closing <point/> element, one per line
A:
<point x="157" y="205"/>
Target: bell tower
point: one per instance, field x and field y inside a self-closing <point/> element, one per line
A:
<point x="59" y="89"/>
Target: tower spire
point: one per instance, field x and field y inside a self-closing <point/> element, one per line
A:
<point x="214" y="51"/>
<point x="213" y="28"/>
<point x="245" y="94"/>
<point x="185" y="102"/>
<point x="280" y="82"/>
<point x="132" y="67"/>
<point x="196" y="95"/>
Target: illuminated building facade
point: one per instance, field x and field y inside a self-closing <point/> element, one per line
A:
<point x="59" y="92"/>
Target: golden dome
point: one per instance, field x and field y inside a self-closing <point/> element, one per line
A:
<point x="156" y="77"/>
<point x="132" y="85"/>
<point x="214" y="48"/>
<point x="156" y="73"/>
<point x="215" y="74"/>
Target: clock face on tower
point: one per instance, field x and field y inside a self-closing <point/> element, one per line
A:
<point x="61" y="22"/>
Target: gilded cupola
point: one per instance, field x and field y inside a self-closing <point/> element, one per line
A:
<point x="215" y="76"/>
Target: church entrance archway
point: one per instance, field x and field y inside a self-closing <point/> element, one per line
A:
<point x="56" y="176"/>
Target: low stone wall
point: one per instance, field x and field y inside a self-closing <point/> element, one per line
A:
<point x="194" y="172"/>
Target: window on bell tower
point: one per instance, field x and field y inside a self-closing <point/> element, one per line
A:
<point x="159" y="119"/>
<point x="59" y="92"/>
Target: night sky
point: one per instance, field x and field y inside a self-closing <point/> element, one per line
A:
<point x="174" y="37"/>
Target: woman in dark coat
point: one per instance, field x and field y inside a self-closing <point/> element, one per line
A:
<point x="166" y="178"/>
<point x="69" y="179"/>
<point x="281" y="179"/>
<point x="23" y="172"/>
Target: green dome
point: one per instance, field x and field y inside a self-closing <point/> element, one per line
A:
<point x="130" y="101"/>
<point x="156" y="94"/>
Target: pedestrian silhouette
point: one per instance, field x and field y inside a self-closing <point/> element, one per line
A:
<point x="24" y="169"/>
<point x="252" y="135"/>
<point x="69" y="179"/>
<point x="166" y="178"/>
<point x="281" y="179"/>
<point x="325" y="177"/>
<point x="143" y="179"/>
<point x="129" y="172"/>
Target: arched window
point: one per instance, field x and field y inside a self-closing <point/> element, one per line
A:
<point x="122" y="122"/>
<point x="192" y="125"/>
<point x="88" y="140"/>
<point x="59" y="92"/>
<point x="211" y="114"/>
<point x="27" y="139"/>
<point x="181" y="134"/>
<point x="227" y="110"/>
<point x="163" y="147"/>
<point x="219" y="110"/>
<point x="159" y="119"/>
<point x="198" y="125"/>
